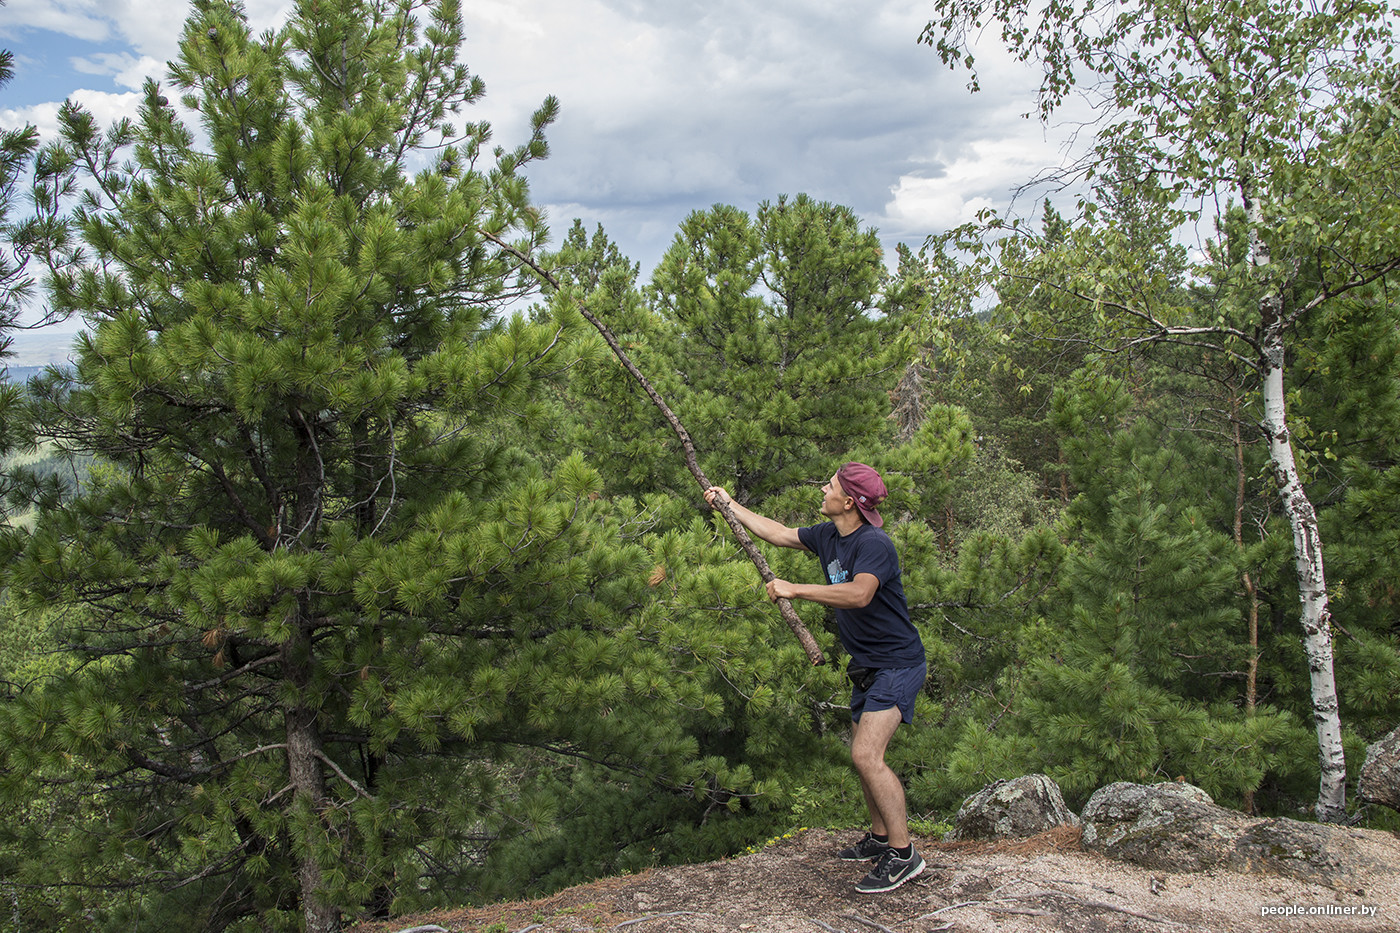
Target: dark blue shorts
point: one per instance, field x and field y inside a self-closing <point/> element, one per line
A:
<point x="892" y="686"/>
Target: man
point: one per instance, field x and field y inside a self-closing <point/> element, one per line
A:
<point x="887" y="666"/>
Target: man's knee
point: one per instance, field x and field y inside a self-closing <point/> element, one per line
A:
<point x="868" y="757"/>
<point x="867" y="761"/>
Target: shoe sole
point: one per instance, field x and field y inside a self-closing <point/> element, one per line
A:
<point x="894" y="884"/>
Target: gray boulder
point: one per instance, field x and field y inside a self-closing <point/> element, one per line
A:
<point x="1177" y="827"/>
<point x="1124" y="802"/>
<point x="1021" y="807"/>
<point x="1380" y="775"/>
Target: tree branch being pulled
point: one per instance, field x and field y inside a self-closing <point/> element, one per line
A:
<point x="809" y="644"/>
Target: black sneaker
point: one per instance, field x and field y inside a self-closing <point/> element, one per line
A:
<point x="891" y="871"/>
<point x="868" y="848"/>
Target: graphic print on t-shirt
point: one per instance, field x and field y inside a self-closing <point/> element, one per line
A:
<point x="834" y="572"/>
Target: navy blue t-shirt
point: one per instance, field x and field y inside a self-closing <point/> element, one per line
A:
<point x="880" y="634"/>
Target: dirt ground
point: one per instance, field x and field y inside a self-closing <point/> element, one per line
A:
<point x="1046" y="883"/>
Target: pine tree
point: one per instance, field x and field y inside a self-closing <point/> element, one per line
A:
<point x="17" y="147"/>
<point x="773" y="336"/>
<point x="1349" y="394"/>
<point x="1131" y="676"/>
<point x="319" y="596"/>
<point x="603" y="411"/>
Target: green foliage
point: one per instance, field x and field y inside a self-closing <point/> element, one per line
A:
<point x="381" y="598"/>
<point x="16" y="151"/>
<point x="1348" y="387"/>
<point x="19" y="488"/>
<point x="328" y="618"/>
<point x="1131" y="675"/>
<point x="353" y="635"/>
<point x="773" y="337"/>
<point x="602" y="411"/>
<point x="1276" y="103"/>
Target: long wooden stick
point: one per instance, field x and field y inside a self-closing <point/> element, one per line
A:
<point x="809" y="644"/>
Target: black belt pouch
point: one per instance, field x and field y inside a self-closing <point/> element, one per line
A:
<point x="862" y="677"/>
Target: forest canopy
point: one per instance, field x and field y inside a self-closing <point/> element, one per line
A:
<point x="384" y="586"/>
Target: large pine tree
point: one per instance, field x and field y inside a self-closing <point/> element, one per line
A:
<point x="290" y="344"/>
<point x="327" y="618"/>
<point x="773" y="336"/>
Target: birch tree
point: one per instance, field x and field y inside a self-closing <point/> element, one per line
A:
<point x="1284" y="108"/>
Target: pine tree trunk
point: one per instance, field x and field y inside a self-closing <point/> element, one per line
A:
<point x="1251" y="687"/>
<point x="307" y="778"/>
<point x="1312" y="585"/>
<point x="304" y="744"/>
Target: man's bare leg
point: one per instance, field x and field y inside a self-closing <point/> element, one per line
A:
<point x="884" y="794"/>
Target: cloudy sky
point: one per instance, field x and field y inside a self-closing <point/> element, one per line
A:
<point x="668" y="106"/>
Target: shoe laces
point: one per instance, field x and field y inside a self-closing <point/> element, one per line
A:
<point x="882" y="865"/>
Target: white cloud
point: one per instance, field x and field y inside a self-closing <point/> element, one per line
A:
<point x="985" y="173"/>
<point x="105" y="107"/>
<point x="669" y="107"/>
<point x="44" y="116"/>
<point x="108" y="108"/>
<point x="152" y="27"/>
<point x="124" y="69"/>
<point x="81" y="19"/>
<point x="932" y="205"/>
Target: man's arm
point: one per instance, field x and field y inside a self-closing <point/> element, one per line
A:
<point x="773" y="532"/>
<point x="853" y="594"/>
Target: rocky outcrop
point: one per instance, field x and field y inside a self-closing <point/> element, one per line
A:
<point x="1380" y="775"/>
<point x="1177" y="827"/>
<point x="1022" y="807"/>
<point x="1124" y="802"/>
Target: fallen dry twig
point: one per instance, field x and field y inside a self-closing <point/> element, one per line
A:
<point x="650" y="917"/>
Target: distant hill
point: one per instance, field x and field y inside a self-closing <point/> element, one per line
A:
<point x="35" y="349"/>
<point x="22" y="373"/>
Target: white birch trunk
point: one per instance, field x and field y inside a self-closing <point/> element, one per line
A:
<point x="1307" y="545"/>
<point x="1312" y="592"/>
